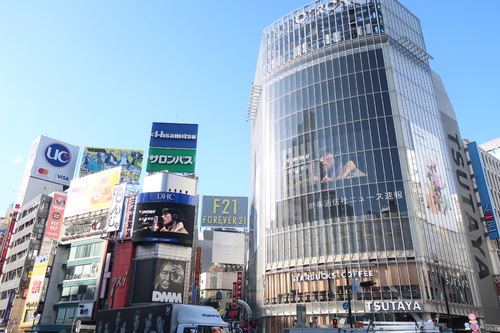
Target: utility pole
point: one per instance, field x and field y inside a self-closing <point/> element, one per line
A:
<point x="348" y="296"/>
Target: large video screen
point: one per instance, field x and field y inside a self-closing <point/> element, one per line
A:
<point x="164" y="217"/>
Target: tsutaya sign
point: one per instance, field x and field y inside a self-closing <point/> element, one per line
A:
<point x="331" y="275"/>
<point x="393" y="306"/>
<point x="322" y="10"/>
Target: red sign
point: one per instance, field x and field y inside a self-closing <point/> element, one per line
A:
<point x="56" y="213"/>
<point x="472" y="316"/>
<point x="235" y="300"/>
<point x="197" y="268"/>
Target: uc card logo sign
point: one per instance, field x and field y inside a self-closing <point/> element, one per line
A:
<point x="57" y="155"/>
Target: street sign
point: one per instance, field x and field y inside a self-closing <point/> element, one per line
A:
<point x="345" y="305"/>
<point x="472" y="316"/>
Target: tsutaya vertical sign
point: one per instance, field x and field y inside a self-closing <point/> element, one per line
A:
<point x="172" y="147"/>
<point x="470" y="216"/>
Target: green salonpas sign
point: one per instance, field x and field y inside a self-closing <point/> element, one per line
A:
<point x="173" y="160"/>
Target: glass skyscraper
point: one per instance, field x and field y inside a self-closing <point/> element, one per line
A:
<point x="353" y="179"/>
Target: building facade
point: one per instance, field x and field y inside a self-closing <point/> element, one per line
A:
<point x="353" y="174"/>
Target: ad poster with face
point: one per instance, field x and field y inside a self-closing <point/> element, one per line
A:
<point x="169" y="282"/>
<point x="171" y="220"/>
<point x="159" y="281"/>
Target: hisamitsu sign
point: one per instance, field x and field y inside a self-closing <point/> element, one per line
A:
<point x="224" y="211"/>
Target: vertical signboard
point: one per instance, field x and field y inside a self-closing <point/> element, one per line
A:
<point x="235" y="298"/>
<point x="56" y="213"/>
<point x="197" y="272"/>
<point x="172" y="147"/>
<point x="483" y="190"/>
<point x="239" y="286"/>
<point x="116" y="209"/>
<point x="7" y="239"/>
<point x="35" y="289"/>
<point x="4" y="231"/>
<point x="129" y="216"/>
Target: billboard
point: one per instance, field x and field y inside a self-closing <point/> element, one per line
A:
<point x="52" y="160"/>
<point x="173" y="160"/>
<point x="484" y="191"/>
<point x="152" y="318"/>
<point x="172" y="147"/>
<point x="159" y="280"/>
<point x="224" y="212"/>
<point x="99" y="159"/>
<point x="174" y="135"/>
<point x="228" y="248"/>
<point x="92" y="192"/>
<point x="431" y="168"/>
<point x="164" y="217"/>
<point x="56" y="213"/>
<point x="168" y="286"/>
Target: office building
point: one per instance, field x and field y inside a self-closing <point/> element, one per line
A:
<point x="362" y="201"/>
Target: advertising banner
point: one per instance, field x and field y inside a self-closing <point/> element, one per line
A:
<point x="172" y="147"/>
<point x="116" y="210"/>
<point x="92" y="192"/>
<point x="52" y="160"/>
<point x="159" y="281"/>
<point x="430" y="166"/>
<point x="169" y="281"/>
<point x="224" y="212"/>
<point x="56" y="214"/>
<point x="174" y="135"/>
<point x="128" y="219"/>
<point x="173" y="160"/>
<point x="99" y="159"/>
<point x="164" y="217"/>
<point x="153" y="318"/>
<point x="4" y="230"/>
<point x="35" y="289"/>
<point x="484" y="191"/>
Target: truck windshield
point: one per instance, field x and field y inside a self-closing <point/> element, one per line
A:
<point x="212" y="329"/>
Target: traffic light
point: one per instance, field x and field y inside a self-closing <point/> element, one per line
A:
<point x="335" y="323"/>
<point x="367" y="284"/>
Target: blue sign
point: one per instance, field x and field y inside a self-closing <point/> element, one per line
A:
<point x="167" y="197"/>
<point x="483" y="190"/>
<point x="345" y="305"/>
<point x="173" y="135"/>
<point x="57" y="155"/>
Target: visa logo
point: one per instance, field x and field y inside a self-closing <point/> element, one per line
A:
<point x="62" y="177"/>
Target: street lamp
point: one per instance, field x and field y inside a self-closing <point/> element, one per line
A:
<point x="218" y="297"/>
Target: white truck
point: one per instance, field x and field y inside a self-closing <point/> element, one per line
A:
<point x="162" y="318"/>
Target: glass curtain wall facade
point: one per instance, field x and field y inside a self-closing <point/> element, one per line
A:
<point x="349" y="171"/>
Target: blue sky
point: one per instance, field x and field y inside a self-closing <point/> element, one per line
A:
<point x="98" y="73"/>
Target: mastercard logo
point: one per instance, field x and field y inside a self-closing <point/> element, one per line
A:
<point x="43" y="171"/>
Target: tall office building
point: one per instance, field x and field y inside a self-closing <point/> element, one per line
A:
<point x="359" y="176"/>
